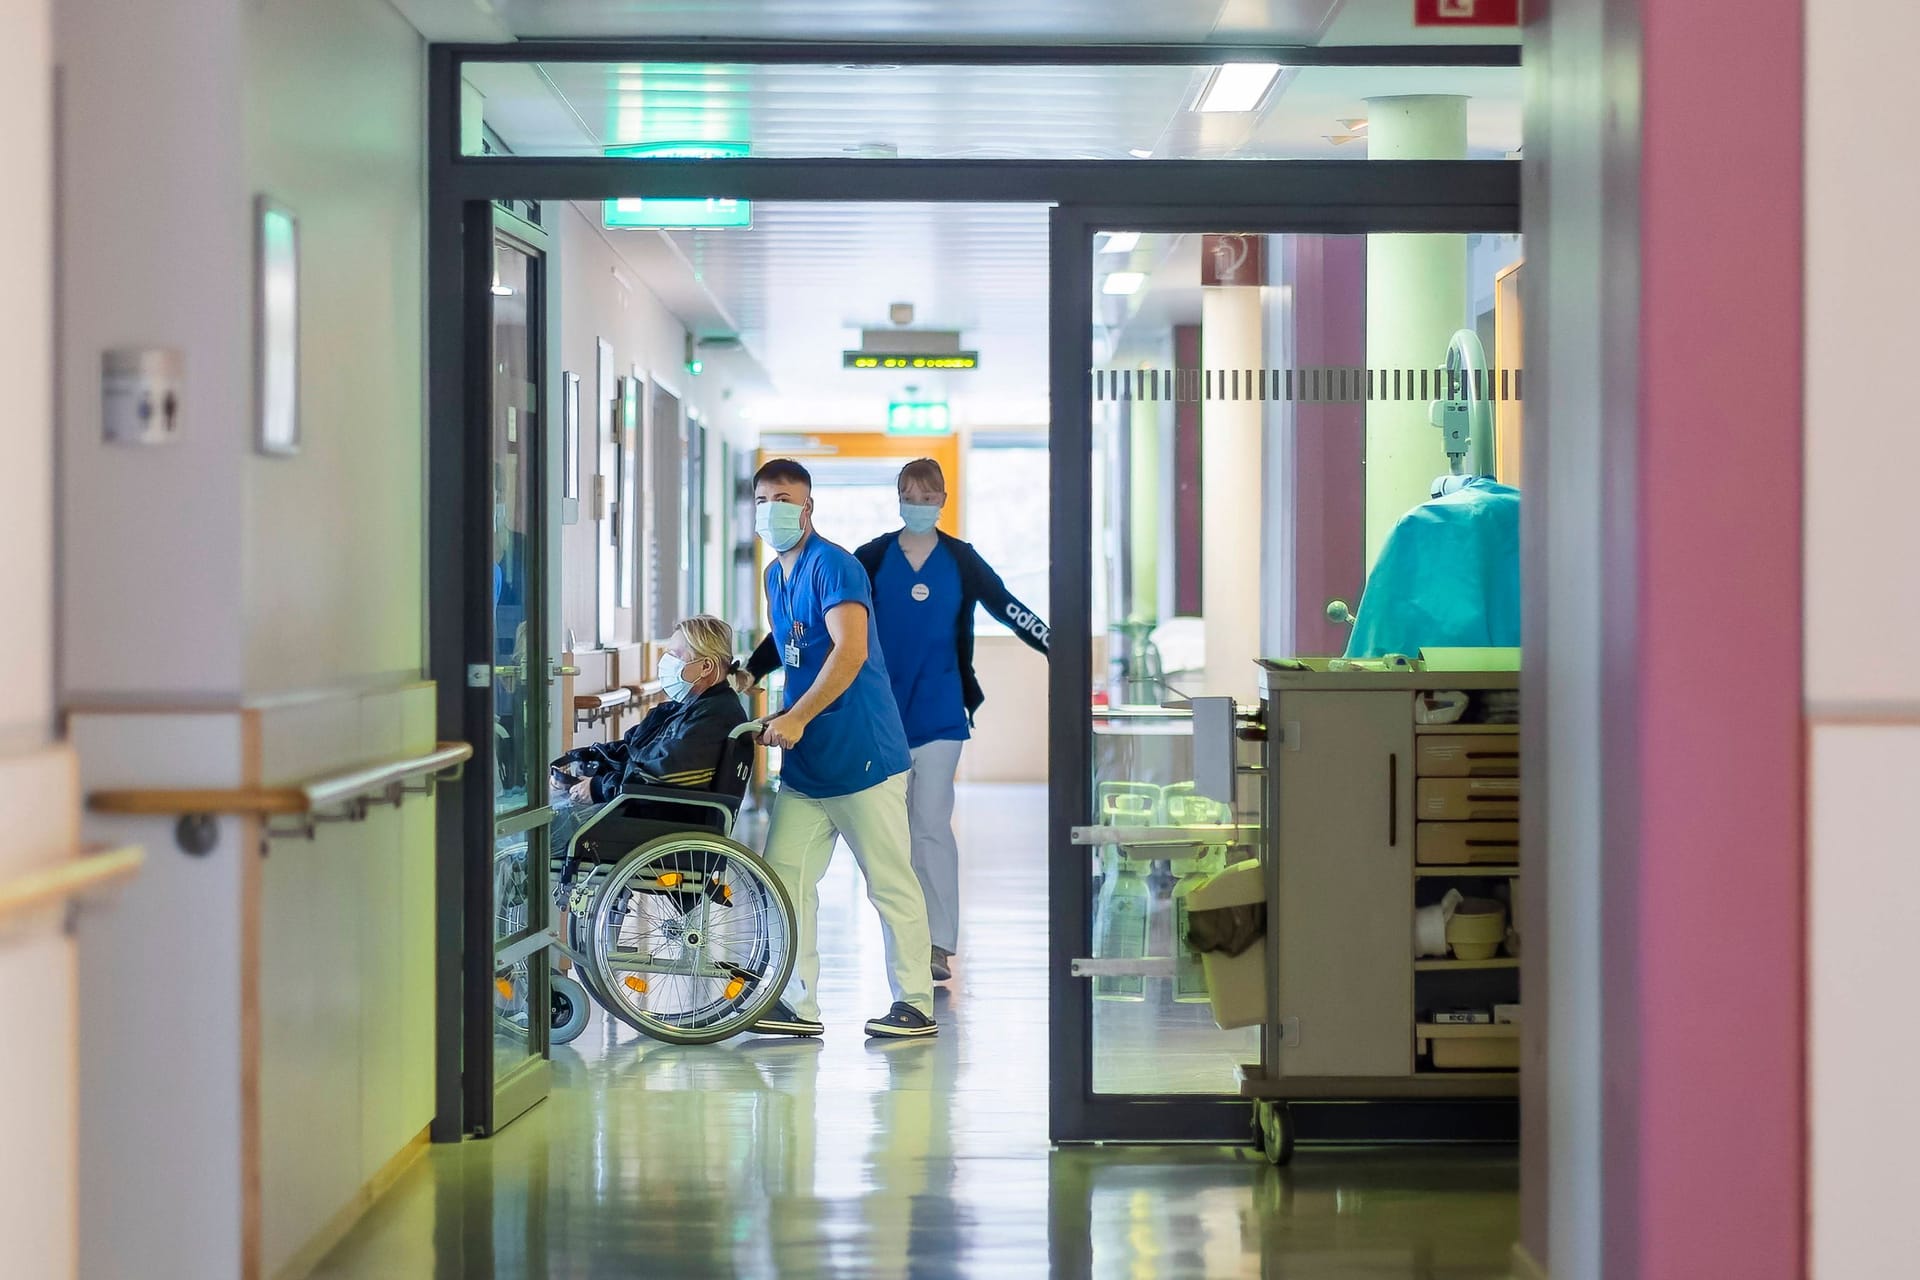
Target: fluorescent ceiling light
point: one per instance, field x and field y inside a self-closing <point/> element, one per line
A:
<point x="1140" y="153"/>
<point x="1120" y="242"/>
<point x="1123" y="282"/>
<point x="1239" y="86"/>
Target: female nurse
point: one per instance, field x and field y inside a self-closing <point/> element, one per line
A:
<point x="925" y="586"/>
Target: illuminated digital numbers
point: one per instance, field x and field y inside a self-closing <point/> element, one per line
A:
<point x="953" y="360"/>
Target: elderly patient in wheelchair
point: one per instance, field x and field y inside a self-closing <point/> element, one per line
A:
<point x="674" y="927"/>
<point x="679" y="744"/>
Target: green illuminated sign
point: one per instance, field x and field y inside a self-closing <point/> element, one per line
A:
<point x="916" y="418"/>
<point x="878" y="360"/>
<point x="670" y="213"/>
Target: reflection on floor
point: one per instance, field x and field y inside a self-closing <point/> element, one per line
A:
<point x="928" y="1159"/>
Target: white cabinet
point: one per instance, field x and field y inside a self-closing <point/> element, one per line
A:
<point x="1341" y="812"/>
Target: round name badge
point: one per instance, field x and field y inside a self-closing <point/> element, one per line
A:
<point x="921" y="592"/>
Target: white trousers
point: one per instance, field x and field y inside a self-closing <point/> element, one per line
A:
<point x="800" y="837"/>
<point x="936" y="854"/>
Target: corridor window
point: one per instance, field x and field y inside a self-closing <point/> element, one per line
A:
<point x="1006" y="501"/>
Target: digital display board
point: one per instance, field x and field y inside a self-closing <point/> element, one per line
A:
<point x="899" y="360"/>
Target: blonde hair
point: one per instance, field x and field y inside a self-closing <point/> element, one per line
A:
<point x="709" y="637"/>
<point x="925" y="472"/>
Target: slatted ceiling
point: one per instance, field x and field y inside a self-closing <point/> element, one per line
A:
<point x="807" y="277"/>
<point x="917" y="20"/>
<point x="963" y="112"/>
<point x="805" y="111"/>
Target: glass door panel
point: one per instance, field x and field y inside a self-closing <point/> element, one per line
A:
<point x="521" y="680"/>
<point x="1265" y="409"/>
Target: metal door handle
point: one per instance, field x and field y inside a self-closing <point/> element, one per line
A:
<point x="566" y="671"/>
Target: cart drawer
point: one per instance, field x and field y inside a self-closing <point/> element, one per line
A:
<point x="1467" y="755"/>
<point x="1453" y="843"/>
<point x="1468" y="799"/>
<point x="1482" y="1055"/>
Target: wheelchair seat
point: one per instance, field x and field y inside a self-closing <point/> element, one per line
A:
<point x="644" y="813"/>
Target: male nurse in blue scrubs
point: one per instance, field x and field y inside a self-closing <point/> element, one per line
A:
<point x="844" y="767"/>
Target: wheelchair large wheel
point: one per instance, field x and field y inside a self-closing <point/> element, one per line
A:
<point x="690" y="939"/>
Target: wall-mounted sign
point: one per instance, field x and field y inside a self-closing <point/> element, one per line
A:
<point x="898" y="360"/>
<point x="919" y="418"/>
<point x="140" y="395"/>
<point x="1466" y="13"/>
<point x="674" y="213"/>
<point x="276" y="328"/>
<point x="1233" y="260"/>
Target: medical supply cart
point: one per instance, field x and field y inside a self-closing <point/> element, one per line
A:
<point x="1384" y="789"/>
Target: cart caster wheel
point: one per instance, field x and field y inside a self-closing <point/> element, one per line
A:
<point x="567" y="1002"/>
<point x="1275" y="1123"/>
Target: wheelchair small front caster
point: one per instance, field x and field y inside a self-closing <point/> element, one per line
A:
<point x="567" y="1002"/>
<point x="1273" y="1123"/>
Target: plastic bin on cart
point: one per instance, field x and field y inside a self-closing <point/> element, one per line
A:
<point x="1236" y="985"/>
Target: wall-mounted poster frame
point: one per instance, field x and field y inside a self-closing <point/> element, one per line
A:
<point x="276" y="334"/>
<point x="570" y="449"/>
<point x="606" y="454"/>
<point x="626" y="489"/>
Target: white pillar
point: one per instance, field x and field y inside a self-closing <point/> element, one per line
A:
<point x="1231" y="450"/>
<point x="1150" y="419"/>
<point x="1416" y="299"/>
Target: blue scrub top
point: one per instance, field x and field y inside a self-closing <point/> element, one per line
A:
<point x="919" y="613"/>
<point x="857" y="742"/>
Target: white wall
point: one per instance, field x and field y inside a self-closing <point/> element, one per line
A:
<point x="154" y="251"/>
<point x="293" y="1053"/>
<point x="1862" y="612"/>
<point x="603" y="296"/>
<point x="336" y="120"/>
<point x="1009" y="742"/>
<point x="39" y="1180"/>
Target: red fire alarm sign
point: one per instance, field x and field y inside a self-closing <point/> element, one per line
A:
<point x="1466" y="13"/>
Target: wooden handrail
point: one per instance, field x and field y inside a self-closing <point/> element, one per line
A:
<point x="68" y="879"/>
<point x="314" y="794"/>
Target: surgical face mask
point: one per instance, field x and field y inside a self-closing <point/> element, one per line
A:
<point x="918" y="519"/>
<point x="673" y="674"/>
<point x="778" y="524"/>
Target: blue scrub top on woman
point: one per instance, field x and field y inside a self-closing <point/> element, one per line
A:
<point x="918" y="610"/>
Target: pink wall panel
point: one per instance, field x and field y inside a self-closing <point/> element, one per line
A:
<point x="1327" y="442"/>
<point x="1705" y="1014"/>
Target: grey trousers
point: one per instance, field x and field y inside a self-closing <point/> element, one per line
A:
<point x="936" y="854"/>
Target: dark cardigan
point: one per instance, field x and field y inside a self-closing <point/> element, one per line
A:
<point x="979" y="584"/>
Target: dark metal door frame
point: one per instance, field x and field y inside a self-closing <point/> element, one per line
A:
<point x="1283" y="195"/>
<point x="1076" y="1113"/>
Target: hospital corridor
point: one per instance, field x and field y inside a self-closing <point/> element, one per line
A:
<point x="1089" y="639"/>
<point x="842" y="1157"/>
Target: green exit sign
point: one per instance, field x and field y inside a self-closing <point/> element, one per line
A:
<point x="917" y="418"/>
<point x="672" y="213"/>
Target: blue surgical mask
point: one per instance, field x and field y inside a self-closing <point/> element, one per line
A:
<point x="673" y="675"/>
<point x="778" y="524"/>
<point x="918" y="519"/>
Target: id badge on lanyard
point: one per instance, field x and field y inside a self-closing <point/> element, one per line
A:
<point x="792" y="652"/>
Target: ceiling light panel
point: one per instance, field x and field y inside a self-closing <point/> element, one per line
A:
<point x="1239" y="86"/>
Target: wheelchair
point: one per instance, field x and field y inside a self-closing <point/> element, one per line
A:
<point x="673" y="927"/>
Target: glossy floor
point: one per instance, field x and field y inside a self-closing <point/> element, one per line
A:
<point x="848" y="1157"/>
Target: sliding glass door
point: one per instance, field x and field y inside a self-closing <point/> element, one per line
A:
<point x="1225" y="472"/>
